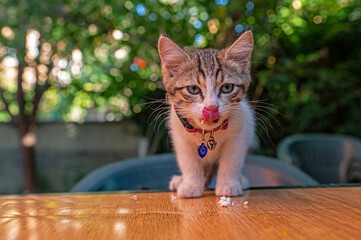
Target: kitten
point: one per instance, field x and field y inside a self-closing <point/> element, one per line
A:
<point x="211" y="123"/>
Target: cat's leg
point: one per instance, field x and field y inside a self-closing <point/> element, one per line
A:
<point x="191" y="183"/>
<point x="230" y="167"/>
<point x="175" y="182"/>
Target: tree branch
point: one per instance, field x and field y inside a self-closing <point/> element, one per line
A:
<point x="5" y="103"/>
<point x="39" y="91"/>
<point x="23" y="125"/>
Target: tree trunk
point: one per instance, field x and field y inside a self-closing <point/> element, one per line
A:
<point x="29" y="168"/>
<point x="28" y="141"/>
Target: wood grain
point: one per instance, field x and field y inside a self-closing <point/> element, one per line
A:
<point x="314" y="213"/>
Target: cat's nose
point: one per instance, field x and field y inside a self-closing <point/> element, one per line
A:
<point x="210" y="114"/>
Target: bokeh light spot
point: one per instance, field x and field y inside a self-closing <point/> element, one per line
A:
<point x="197" y="24"/>
<point x="250" y="5"/>
<point x="9" y="62"/>
<point x="221" y="2"/>
<point x="133" y="67"/>
<point x="355" y="14"/>
<point x="7" y="32"/>
<point x="204" y="16"/>
<point x="251" y="20"/>
<point x="179" y="15"/>
<point x="110" y="117"/>
<point x="200" y="41"/>
<point x="154" y="77"/>
<point x="128" y="4"/>
<point x="141" y="10"/>
<point x="117" y="34"/>
<point x="213" y="25"/>
<point x="92" y="29"/>
<point x="153" y="16"/>
<point x="296" y="4"/>
<point x="239" y="28"/>
<point x="120" y="53"/>
<point x="166" y="15"/>
<point x="142" y="63"/>
<point x="137" y="108"/>
<point x="152" y="86"/>
<point x="271" y="60"/>
<point x="317" y="19"/>
<point x="248" y="13"/>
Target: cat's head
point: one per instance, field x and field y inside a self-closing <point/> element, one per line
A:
<point x="205" y="85"/>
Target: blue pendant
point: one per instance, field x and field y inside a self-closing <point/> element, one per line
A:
<point x="202" y="150"/>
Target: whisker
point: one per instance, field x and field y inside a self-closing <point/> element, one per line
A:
<point x="260" y="135"/>
<point x="156" y="123"/>
<point x="255" y="102"/>
<point x="161" y="123"/>
<point x="160" y="105"/>
<point x="263" y="126"/>
<point x="147" y="97"/>
<point x="269" y="108"/>
<point x="156" y="112"/>
<point x="155" y="101"/>
<point x="159" y="114"/>
<point x="239" y="114"/>
<point x="275" y="119"/>
<point x="264" y="119"/>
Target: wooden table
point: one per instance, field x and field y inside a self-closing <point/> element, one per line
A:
<point x="310" y="213"/>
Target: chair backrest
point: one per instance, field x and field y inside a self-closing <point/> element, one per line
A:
<point x="154" y="172"/>
<point x="325" y="157"/>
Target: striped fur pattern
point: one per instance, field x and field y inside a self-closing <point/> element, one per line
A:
<point x="209" y="78"/>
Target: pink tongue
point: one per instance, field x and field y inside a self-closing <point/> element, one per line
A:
<point x="210" y="114"/>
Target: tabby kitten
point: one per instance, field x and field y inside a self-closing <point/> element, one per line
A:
<point x="210" y="121"/>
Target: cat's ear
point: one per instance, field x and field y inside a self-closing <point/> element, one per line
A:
<point x="172" y="56"/>
<point x="240" y="51"/>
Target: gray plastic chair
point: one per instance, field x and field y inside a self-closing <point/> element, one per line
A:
<point x="328" y="158"/>
<point x="154" y="173"/>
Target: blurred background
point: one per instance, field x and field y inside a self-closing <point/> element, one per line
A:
<point x="80" y="81"/>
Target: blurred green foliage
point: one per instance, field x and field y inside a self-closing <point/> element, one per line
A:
<point x="306" y="60"/>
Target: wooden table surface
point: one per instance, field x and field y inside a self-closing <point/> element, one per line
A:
<point x="310" y="213"/>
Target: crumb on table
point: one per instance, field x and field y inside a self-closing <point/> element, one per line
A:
<point x="224" y="202"/>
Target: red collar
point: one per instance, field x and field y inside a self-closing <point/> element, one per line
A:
<point x="192" y="129"/>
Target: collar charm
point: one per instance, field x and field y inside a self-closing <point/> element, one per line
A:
<point x="211" y="144"/>
<point x="202" y="149"/>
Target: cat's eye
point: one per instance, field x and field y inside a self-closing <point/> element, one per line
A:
<point x="193" y="89"/>
<point x="227" y="88"/>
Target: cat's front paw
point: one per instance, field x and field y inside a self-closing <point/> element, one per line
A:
<point x="175" y="182"/>
<point x="190" y="190"/>
<point x="229" y="189"/>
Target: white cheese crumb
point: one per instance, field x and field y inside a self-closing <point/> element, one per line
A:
<point x="174" y="197"/>
<point x="245" y="203"/>
<point x="135" y="197"/>
<point x="224" y="202"/>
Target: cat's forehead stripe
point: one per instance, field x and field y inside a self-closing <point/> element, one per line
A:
<point x="207" y="60"/>
<point x="209" y="66"/>
<point x="200" y="69"/>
